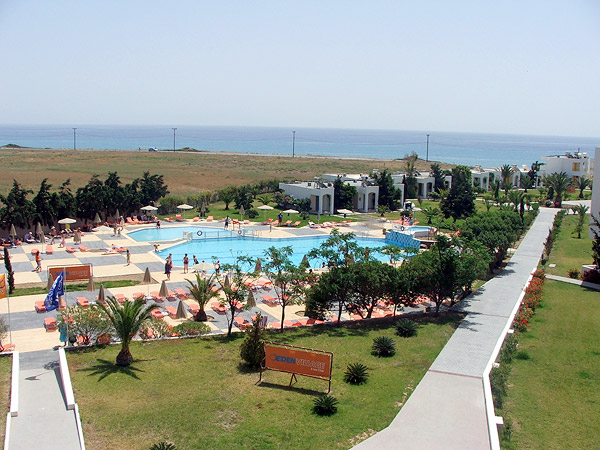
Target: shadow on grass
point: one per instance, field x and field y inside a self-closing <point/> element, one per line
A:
<point x="104" y="368"/>
<point x="289" y="388"/>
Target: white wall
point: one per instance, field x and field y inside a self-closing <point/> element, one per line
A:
<point x="595" y="209"/>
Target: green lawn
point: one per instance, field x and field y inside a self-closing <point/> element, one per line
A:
<point x="196" y="394"/>
<point x="554" y="397"/>
<point x="5" y="375"/>
<point x="569" y="252"/>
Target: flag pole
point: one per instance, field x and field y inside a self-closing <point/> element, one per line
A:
<point x="66" y="306"/>
<point x="9" y="327"/>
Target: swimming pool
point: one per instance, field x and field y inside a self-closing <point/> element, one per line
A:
<point x="227" y="249"/>
<point x="171" y="233"/>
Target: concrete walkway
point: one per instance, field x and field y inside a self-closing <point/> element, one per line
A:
<point x="585" y="284"/>
<point x="447" y="410"/>
<point x="43" y="420"/>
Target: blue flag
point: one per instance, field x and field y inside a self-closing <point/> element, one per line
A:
<point x="57" y="289"/>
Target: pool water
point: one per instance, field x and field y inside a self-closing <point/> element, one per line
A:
<point x="227" y="249"/>
<point x="171" y="233"/>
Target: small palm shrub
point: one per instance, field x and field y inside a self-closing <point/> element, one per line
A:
<point x="384" y="346"/>
<point x="406" y="328"/>
<point x="356" y="374"/>
<point x="163" y="446"/>
<point x="325" y="405"/>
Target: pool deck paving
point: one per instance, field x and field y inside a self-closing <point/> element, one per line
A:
<point x="447" y="409"/>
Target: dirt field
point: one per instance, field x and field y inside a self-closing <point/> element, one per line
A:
<point x="184" y="173"/>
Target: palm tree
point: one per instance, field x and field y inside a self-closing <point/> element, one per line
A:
<point x="559" y="183"/>
<point x="516" y="197"/>
<point x="582" y="183"/>
<point x="506" y="173"/>
<point x="265" y="199"/>
<point x="202" y="291"/>
<point x="430" y="213"/>
<point x="126" y="319"/>
<point x="527" y="183"/>
<point x="581" y="211"/>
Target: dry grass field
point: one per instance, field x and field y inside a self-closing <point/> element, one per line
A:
<point x="184" y="172"/>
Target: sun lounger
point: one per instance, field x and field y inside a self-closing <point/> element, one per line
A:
<point x="181" y="293"/>
<point x="178" y="218"/>
<point x="70" y="250"/>
<point x="356" y="317"/>
<point x="193" y="308"/>
<point x="6" y="347"/>
<point x="34" y="251"/>
<point x="267" y="222"/>
<point x="83" y="302"/>
<point x="270" y="300"/>
<point x="246" y="222"/>
<point x="287" y="224"/>
<point x="218" y="308"/>
<point x="196" y="219"/>
<point x="49" y="250"/>
<point x="120" y="298"/>
<point x="274" y="325"/>
<point x="40" y="307"/>
<point x="156" y="297"/>
<point x="295" y="224"/>
<point x="240" y="323"/>
<point x="50" y="324"/>
<point x="171" y="297"/>
<point x="209" y="219"/>
<point x="171" y="311"/>
<point x="157" y="314"/>
<point x="129" y="220"/>
<point x="139" y="295"/>
<point x="83" y="248"/>
<point x="314" y="322"/>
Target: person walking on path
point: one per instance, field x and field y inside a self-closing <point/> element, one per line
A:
<point x="128" y="255"/>
<point x="38" y="261"/>
<point x="186" y="263"/>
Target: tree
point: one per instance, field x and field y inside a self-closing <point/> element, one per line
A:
<point x="63" y="201"/>
<point x="287" y="278"/>
<point x="151" y="188"/>
<point x="393" y="251"/>
<point x="343" y="194"/>
<point x="233" y="279"/>
<point x="439" y="176"/>
<point x="339" y="249"/>
<point x="559" y="183"/>
<point x="17" y="209"/>
<point x="581" y="211"/>
<point x="388" y="194"/>
<point x="410" y="179"/>
<point x="333" y="289"/>
<point x="114" y="195"/>
<point x="370" y="283"/>
<point x="252" y="347"/>
<point x="90" y="199"/>
<point x="265" y="199"/>
<point x="430" y="213"/>
<point x="473" y="264"/>
<point x="243" y="197"/>
<point x="506" y="174"/>
<point x="401" y="289"/>
<point x="10" y="274"/>
<point x="527" y="183"/>
<point x="461" y="199"/>
<point x="595" y="227"/>
<point x="126" y="320"/>
<point x="582" y="183"/>
<point x="226" y="197"/>
<point x="43" y="212"/>
<point x="202" y="291"/>
<point x="516" y="198"/>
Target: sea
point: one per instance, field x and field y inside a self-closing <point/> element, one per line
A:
<point x="487" y="150"/>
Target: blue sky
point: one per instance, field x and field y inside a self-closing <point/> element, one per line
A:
<point x="472" y="66"/>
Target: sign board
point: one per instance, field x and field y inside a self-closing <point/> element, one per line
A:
<point x="297" y="361"/>
<point x="3" y="290"/>
<point x="73" y="273"/>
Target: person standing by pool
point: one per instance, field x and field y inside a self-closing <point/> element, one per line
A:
<point x="128" y="256"/>
<point x="279" y="218"/>
<point x="157" y="223"/>
<point x="226" y="222"/>
<point x="186" y="263"/>
<point x="168" y="266"/>
<point x="195" y="259"/>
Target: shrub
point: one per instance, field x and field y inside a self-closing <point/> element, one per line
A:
<point x="539" y="274"/>
<point x="511" y="344"/>
<point x="591" y="276"/>
<point x="384" y="346"/>
<point x="3" y="329"/>
<point x="252" y="213"/>
<point x="356" y="374"/>
<point x="155" y="328"/>
<point x="574" y="273"/>
<point x="325" y="405"/>
<point x="406" y="328"/>
<point x="191" y="329"/>
<point x="252" y="347"/>
<point x="522" y="355"/>
<point x="498" y="378"/>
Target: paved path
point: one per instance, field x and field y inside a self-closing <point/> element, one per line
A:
<point x="447" y="409"/>
<point x="584" y="284"/>
<point x="43" y="420"/>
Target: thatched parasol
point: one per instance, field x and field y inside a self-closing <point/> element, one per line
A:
<point x="181" y="311"/>
<point x="250" y="301"/>
<point x="90" y="286"/>
<point x="50" y="281"/>
<point x="147" y="279"/>
<point x="164" y="291"/>
<point x="101" y="295"/>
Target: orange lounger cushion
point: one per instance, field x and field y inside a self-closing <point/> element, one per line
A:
<point x="172" y="311"/>
<point x="193" y="308"/>
<point x="34" y="251"/>
<point x="83" y="248"/>
<point x="40" y="307"/>
<point x="181" y="293"/>
<point x="49" y="250"/>
<point x="70" y="250"/>
<point x="50" y="324"/>
<point x="157" y="314"/>
<point x="82" y="301"/>
<point x="120" y="298"/>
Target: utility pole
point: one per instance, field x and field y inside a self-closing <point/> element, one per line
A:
<point x="293" y="144"/>
<point x="427" y="157"/>
<point x="74" y="139"/>
<point x="174" y="130"/>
